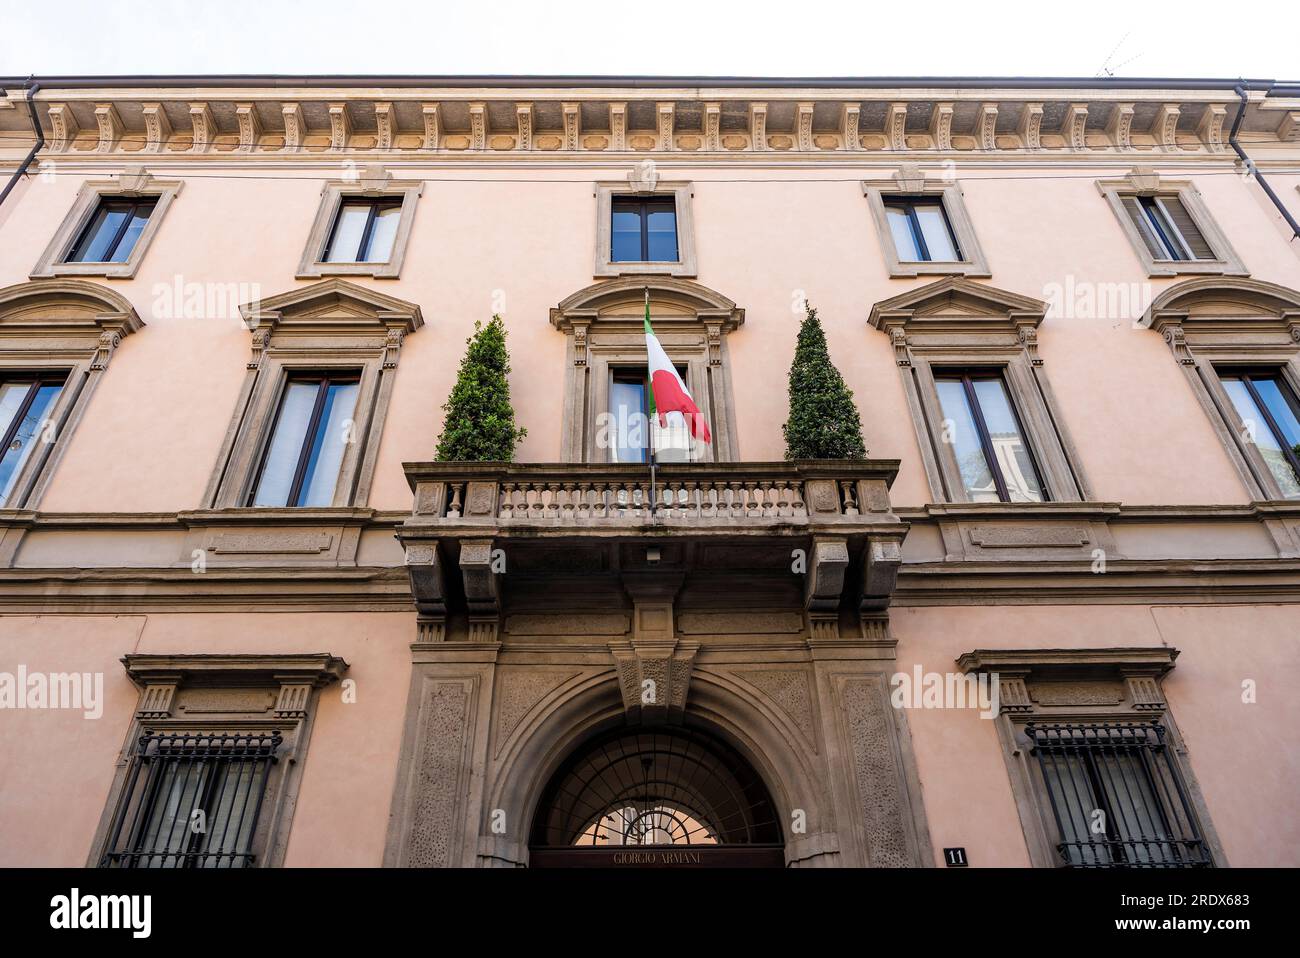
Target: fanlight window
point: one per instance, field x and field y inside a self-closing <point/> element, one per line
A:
<point x="656" y="788"/>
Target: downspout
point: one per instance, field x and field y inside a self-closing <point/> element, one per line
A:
<point x="40" y="138"/>
<point x="1250" y="164"/>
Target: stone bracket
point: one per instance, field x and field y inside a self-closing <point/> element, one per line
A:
<point x="654" y="678"/>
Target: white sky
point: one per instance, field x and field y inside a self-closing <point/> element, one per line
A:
<point x="1137" y="38"/>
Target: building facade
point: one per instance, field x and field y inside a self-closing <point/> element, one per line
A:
<point x="246" y="618"/>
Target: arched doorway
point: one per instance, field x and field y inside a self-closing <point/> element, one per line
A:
<point x="657" y="797"/>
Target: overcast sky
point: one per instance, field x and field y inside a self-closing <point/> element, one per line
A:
<point x="1137" y="38"/>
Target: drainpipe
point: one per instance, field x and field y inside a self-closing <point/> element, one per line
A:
<point x="31" y="88"/>
<point x="1250" y="164"/>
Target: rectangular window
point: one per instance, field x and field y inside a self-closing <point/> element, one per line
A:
<point x="363" y="231"/>
<point x="1271" y="415"/>
<point x="178" y="780"/>
<point x="1167" y="228"/>
<point x="113" y="231"/>
<point x="985" y="435"/>
<point x="921" y="231"/>
<point x="643" y="230"/>
<point x="312" y="431"/>
<point x="633" y="428"/>
<point x="25" y="402"/>
<point x="1117" y="797"/>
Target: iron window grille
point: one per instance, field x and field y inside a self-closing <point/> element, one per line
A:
<point x="1117" y="796"/>
<point x="192" y="800"/>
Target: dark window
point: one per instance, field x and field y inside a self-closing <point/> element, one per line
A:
<point x="312" y="431"/>
<point x="921" y="231"/>
<point x="192" y="801"/>
<point x="1269" y="410"/>
<point x="25" y="402"/>
<point x="112" y="232"/>
<point x="363" y="231"/>
<point x="1117" y="797"/>
<point x="980" y="423"/>
<point x="644" y="230"/>
<point x="1167" y="228"/>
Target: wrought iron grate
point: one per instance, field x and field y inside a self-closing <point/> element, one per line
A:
<point x="192" y="800"/>
<point x="1117" y="796"/>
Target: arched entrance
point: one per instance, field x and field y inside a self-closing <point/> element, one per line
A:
<point x="657" y="797"/>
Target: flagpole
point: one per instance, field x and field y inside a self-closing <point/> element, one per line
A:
<point x="650" y="434"/>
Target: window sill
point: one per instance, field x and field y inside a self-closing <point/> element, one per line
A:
<point x="1194" y="267"/>
<point x="679" y="269"/>
<point x="964" y="268"/>
<point x="375" y="270"/>
<point x="125" y="270"/>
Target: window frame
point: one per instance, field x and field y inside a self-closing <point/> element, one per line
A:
<point x="324" y="378"/>
<point x="39" y="378"/>
<point x="332" y="327"/>
<point x="682" y="194"/>
<point x="104" y="201"/>
<point x="1085" y="687"/>
<point x="372" y="183"/>
<point x="1289" y="386"/>
<point x="967" y="375"/>
<point x="1146" y="183"/>
<point x="956" y="324"/>
<point x="683" y="370"/>
<point x="66" y="328"/>
<point x="225" y="693"/>
<point x="909" y="203"/>
<point x="133" y="184"/>
<point x="910" y="183"/>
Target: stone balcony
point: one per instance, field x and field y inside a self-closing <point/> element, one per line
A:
<point x="818" y="535"/>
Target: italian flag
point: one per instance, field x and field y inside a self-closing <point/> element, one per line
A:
<point x="668" y="396"/>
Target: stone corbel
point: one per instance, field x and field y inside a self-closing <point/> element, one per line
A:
<point x="1288" y="129"/>
<point x="580" y="342"/>
<point x="896" y="126"/>
<point x="250" y="126"/>
<point x="712" y="127"/>
<point x="373" y="179"/>
<point x="850" y="117"/>
<point x="804" y="126"/>
<point x="828" y="564"/>
<point x="340" y="126"/>
<point x="1177" y="342"/>
<point x="572" y="125"/>
<point x="133" y="181"/>
<point x="1144" y="690"/>
<point x="524" y="122"/>
<point x="1144" y="180"/>
<point x="1031" y="126"/>
<point x="432" y="126"/>
<point x="941" y="126"/>
<point x="293" y="698"/>
<point x="205" y="127"/>
<point x="157" y="128"/>
<point x="384" y="126"/>
<point x="63" y="127"/>
<point x="477" y="568"/>
<point x="110" y="127"/>
<point x="618" y="127"/>
<point x="1074" y="126"/>
<point x="113" y="326"/>
<point x="987" y="128"/>
<point x="428" y="575"/>
<point x="1121" y="126"/>
<point x="157" y="697"/>
<point x="1027" y="335"/>
<point x="1165" y="127"/>
<point x="898" y="339"/>
<point x="910" y="178"/>
<point x="294" y="126"/>
<point x="713" y="334"/>
<point x="758" y="126"/>
<point x="880" y="573"/>
<point x="1210" y="129"/>
<point x="1013" y="693"/>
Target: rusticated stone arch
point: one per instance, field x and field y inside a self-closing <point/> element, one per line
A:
<point x="591" y="703"/>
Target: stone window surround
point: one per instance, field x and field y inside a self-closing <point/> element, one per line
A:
<point x="295" y="680"/>
<point x="1262" y="331"/>
<point x="1131" y="680"/>
<point x="132" y="183"/>
<point x="911" y="180"/>
<point x="604" y="325"/>
<point x="926" y="341"/>
<point x="372" y="182"/>
<point x="645" y="185"/>
<point x="65" y="325"/>
<point x="295" y="331"/>
<point x="1144" y="181"/>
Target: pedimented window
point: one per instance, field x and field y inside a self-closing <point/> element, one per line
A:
<point x="56" y="339"/>
<point x="604" y="393"/>
<point x="983" y="410"/>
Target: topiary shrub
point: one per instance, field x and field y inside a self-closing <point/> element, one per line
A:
<point x="824" y="421"/>
<point x="480" y="422"/>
